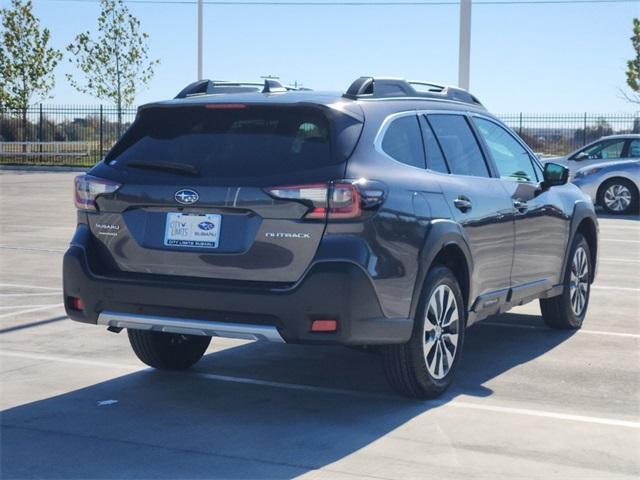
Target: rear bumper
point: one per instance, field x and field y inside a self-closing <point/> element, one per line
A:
<point x="329" y="290"/>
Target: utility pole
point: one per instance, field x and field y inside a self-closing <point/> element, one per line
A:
<point x="464" y="56"/>
<point x="200" y="74"/>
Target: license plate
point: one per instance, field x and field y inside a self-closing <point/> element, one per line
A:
<point x="191" y="230"/>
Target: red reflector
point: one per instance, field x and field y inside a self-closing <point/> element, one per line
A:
<point x="224" y="106"/>
<point x="76" y="303"/>
<point x="324" y="325"/>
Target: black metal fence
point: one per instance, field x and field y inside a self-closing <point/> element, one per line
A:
<point x="75" y="135"/>
<point x="79" y="135"/>
<point x="558" y="134"/>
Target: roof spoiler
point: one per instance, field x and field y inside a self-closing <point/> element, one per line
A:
<point x="208" y="87"/>
<point x="372" y="87"/>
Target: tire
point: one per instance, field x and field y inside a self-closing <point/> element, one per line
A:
<point x="618" y="196"/>
<point x="567" y="311"/>
<point x="408" y="369"/>
<point x="167" y="351"/>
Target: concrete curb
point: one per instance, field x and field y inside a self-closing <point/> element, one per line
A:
<point x="42" y="168"/>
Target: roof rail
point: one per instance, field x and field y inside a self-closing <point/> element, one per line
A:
<point x="371" y="87"/>
<point x="208" y="87"/>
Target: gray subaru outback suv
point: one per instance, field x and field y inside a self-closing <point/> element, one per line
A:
<point x="393" y="215"/>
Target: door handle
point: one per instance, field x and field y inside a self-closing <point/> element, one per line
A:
<point x="463" y="204"/>
<point x="520" y="205"/>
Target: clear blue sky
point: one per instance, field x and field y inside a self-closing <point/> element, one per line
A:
<point x="531" y="58"/>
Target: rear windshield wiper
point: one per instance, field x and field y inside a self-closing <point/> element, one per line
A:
<point x="183" y="168"/>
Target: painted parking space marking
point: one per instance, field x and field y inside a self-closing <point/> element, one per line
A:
<point x="35" y="287"/>
<point x="30" y="310"/>
<point x="9" y="307"/>
<point x="536" y="327"/>
<point x="39" y="294"/>
<point x="622" y="289"/>
<point x="32" y="249"/>
<point x="336" y="391"/>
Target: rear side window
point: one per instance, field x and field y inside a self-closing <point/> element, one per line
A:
<point x="634" y="149"/>
<point x="403" y="141"/>
<point x="245" y="141"/>
<point x="459" y="145"/>
<point x="435" y="160"/>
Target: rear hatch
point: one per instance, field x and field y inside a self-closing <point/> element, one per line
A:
<point x="221" y="191"/>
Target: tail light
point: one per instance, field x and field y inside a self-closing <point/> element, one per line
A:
<point x="339" y="200"/>
<point x="88" y="188"/>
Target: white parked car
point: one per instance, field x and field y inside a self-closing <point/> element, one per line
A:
<point x="611" y="148"/>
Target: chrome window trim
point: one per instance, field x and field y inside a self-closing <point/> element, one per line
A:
<point x="377" y="142"/>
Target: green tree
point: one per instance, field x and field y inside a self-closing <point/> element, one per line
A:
<point x="115" y="63"/>
<point x="26" y="60"/>
<point x="633" y="65"/>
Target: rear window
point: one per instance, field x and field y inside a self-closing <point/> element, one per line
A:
<point x="244" y="141"/>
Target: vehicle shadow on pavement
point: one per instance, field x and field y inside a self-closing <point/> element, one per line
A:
<point x="191" y="425"/>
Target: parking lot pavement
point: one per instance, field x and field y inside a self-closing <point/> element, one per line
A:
<point x="527" y="401"/>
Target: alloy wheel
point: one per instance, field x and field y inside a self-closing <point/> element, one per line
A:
<point x="617" y="197"/>
<point x="579" y="283"/>
<point x="441" y="326"/>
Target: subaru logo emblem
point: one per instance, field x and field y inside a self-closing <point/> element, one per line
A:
<point x="186" y="196"/>
<point x="205" y="226"/>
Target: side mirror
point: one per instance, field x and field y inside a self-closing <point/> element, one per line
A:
<point x="554" y="174"/>
<point x="581" y="156"/>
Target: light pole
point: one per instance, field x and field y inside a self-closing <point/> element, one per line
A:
<point x="200" y="74"/>
<point x="464" y="56"/>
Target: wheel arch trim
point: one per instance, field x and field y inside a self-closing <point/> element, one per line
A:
<point x="442" y="234"/>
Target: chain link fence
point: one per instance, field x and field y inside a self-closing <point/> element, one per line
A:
<point x="79" y="135"/>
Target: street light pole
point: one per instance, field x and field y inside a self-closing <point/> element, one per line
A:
<point x="464" y="56"/>
<point x="200" y="74"/>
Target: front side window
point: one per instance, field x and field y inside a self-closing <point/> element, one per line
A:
<point x="601" y="151"/>
<point x="512" y="159"/>
<point x="403" y="141"/>
<point x="459" y="145"/>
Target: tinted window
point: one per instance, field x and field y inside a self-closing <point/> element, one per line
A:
<point x="634" y="149"/>
<point x="459" y="145"/>
<point x="403" y="141"/>
<point x="601" y="151"/>
<point x="435" y="160"/>
<point x="511" y="158"/>
<point x="252" y="141"/>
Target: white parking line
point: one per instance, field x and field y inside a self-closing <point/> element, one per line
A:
<point x="36" y="287"/>
<point x="623" y="289"/>
<point x="51" y="294"/>
<point x="621" y="240"/>
<point x="32" y="249"/>
<point x="336" y="391"/>
<point x="618" y="260"/>
<point x="536" y="327"/>
<point x="546" y="414"/>
<point x="9" y="307"/>
<point x="30" y="310"/>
